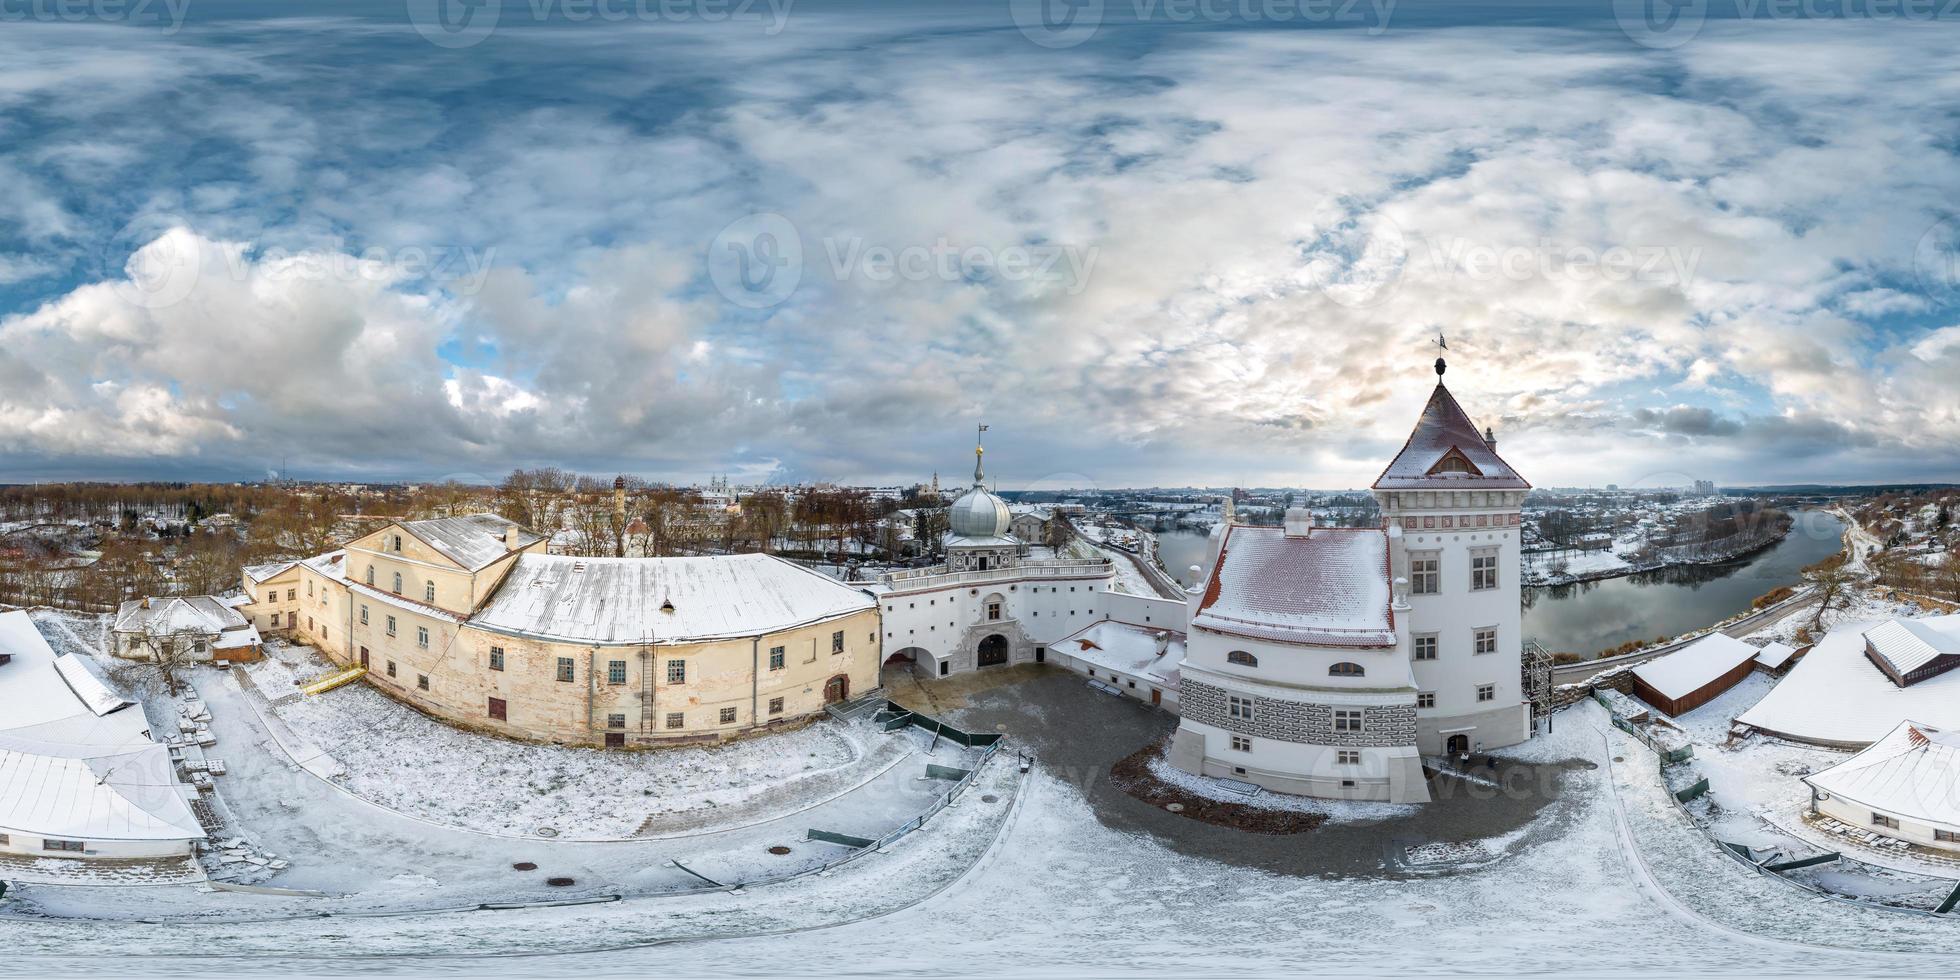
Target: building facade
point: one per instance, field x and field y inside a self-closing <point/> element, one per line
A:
<point x="989" y="604"/>
<point x="472" y="621"/>
<point x="1328" y="661"/>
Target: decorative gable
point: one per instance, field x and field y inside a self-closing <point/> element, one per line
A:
<point x="1455" y="461"/>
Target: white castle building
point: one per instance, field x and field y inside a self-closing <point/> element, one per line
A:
<point x="991" y="603"/>
<point x="1328" y="661"/>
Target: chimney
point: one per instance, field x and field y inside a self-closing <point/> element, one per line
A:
<point x="510" y="537"/>
<point x="1163" y="643"/>
<point x="1299" y="522"/>
<point x="1490" y="437"/>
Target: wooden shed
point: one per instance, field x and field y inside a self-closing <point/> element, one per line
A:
<point x="1693" y="675"/>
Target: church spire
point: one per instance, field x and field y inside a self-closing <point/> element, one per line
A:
<point x="979" y="454"/>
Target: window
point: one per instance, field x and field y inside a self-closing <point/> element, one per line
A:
<point x="1486" y="692"/>
<point x="398" y="542"/>
<point x="615" y="721"/>
<point x="422" y="681"/>
<point x="364" y="616"/>
<point x="1483" y="571"/>
<point x="422" y="637"/>
<point x="1943" y="836"/>
<point x="565" y="670"/>
<point x="1235" y="706"/>
<point x="776" y="658"/>
<point x="728" y="716"/>
<point x="292" y="594"/>
<point x="1348" y="757"/>
<point x="5" y="840"/>
<point x="615" y="671"/>
<point x="1345" y="669"/>
<point x="50" y="844"/>
<point x="391" y="668"/>
<point x="496" y="658"/>
<point x="309" y="590"/>
<point x="1426" y="699"/>
<point x="775" y="706"/>
<point x="370" y="577"/>
<point x="275" y="619"/>
<point x="1426" y="573"/>
<point x="1347" y="720"/>
<point x="398" y="583"/>
<point x="1425" y="647"/>
<point x="429" y="591"/>
<point x="1241" y="744"/>
<point x="1242" y="658"/>
<point x="676" y="719"/>
<point x="993" y="610"/>
<point x="1487" y="640"/>
<point x="837" y="642"/>
<point x="1881" y="820"/>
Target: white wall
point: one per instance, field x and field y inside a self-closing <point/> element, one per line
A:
<point x="28" y="842"/>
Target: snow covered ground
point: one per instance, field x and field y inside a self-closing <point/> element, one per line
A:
<point x="406" y="761"/>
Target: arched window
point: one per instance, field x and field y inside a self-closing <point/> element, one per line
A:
<point x="429" y="591"/>
<point x="1242" y="658"/>
<point x="1345" y="669"/>
<point x="370" y="575"/>
<point x="398" y="583"/>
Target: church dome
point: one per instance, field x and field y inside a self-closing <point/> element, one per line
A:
<point x="979" y="514"/>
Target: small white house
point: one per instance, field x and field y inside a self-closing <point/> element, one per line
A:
<point x="1905" y="786"/>
<point x="196" y="628"/>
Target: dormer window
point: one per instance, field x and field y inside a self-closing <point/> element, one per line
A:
<point x="1345" y="669"/>
<point x="1242" y="659"/>
<point x="1455" y="462"/>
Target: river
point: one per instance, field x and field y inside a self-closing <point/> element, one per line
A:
<point x="1592" y="616"/>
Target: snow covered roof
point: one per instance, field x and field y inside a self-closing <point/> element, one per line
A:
<point x="1129" y="649"/>
<point x="165" y="615"/>
<point x="259" y="573"/>
<point x="333" y="564"/>
<point x="473" y="542"/>
<point x="1692" y="667"/>
<point x="1444" y="431"/>
<point x="1908" y="644"/>
<point x="662" y="600"/>
<point x="1834" y="696"/>
<point x="1913" y="771"/>
<point x="1329" y="588"/>
<point x="1775" y="654"/>
<point x="74" y="762"/>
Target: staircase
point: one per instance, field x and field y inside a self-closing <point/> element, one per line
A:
<point x="331" y="681"/>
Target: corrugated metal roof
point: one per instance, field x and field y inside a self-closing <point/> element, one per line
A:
<point x="1914" y="772"/>
<point x="1908" y="645"/>
<point x="473" y="541"/>
<point x="662" y="600"/>
<point x="1445" y="428"/>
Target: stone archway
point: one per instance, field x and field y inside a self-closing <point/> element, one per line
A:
<point x="993" y="651"/>
<point x="1458" y="745"/>
<point x="837" y="689"/>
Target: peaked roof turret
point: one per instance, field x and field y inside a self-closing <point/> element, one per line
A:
<point x="1447" y="451"/>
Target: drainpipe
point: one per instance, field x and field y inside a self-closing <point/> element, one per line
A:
<point x="591" y="686"/>
<point x="755" y="675"/>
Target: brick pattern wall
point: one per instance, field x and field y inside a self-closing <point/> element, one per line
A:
<point x="1297" y="721"/>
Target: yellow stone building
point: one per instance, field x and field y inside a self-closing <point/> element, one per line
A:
<point x="471" y="620"/>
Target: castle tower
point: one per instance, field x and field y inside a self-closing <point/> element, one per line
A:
<point x="1453" y="509"/>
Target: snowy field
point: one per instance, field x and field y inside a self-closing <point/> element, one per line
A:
<point x="397" y="757"/>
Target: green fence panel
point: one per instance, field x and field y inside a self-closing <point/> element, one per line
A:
<point x="945" y="772"/>
<point x="1809" y="862"/>
<point x="1952" y="899"/>
<point x="1699" y="788"/>
<point x="835" y="838"/>
<point x="1682" y="754"/>
<point x="1739" y="851"/>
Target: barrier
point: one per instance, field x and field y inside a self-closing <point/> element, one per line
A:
<point x="830" y="837"/>
<point x="945" y="772"/>
<point x="1809" y="862"/>
<point x="1699" y="789"/>
<point x="902" y="717"/>
<point x="331" y="681"/>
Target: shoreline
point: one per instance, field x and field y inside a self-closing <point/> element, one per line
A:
<point x="1631" y="570"/>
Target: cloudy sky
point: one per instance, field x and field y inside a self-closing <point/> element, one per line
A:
<point x="1158" y="243"/>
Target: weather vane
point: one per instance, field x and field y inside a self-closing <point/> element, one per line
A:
<point x="1442" y="344"/>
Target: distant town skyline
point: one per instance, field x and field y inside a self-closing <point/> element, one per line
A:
<point x="1118" y="260"/>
